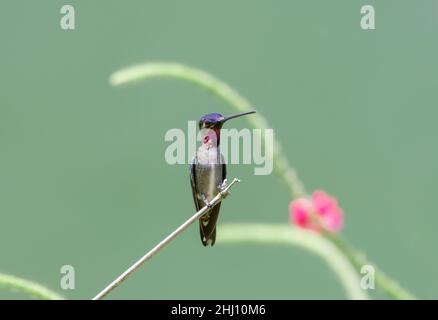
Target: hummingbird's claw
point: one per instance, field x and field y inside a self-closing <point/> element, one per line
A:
<point x="209" y="206"/>
<point x="223" y="188"/>
<point x="224" y="185"/>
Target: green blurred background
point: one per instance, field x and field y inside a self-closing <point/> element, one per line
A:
<point x="83" y="179"/>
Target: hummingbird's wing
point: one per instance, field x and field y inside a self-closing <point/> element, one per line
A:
<point x="207" y="223"/>
<point x="204" y="221"/>
<point x="192" y="171"/>
<point x="207" y="228"/>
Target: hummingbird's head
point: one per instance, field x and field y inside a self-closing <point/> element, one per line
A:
<point x="211" y="121"/>
<point x="212" y="124"/>
<point x="216" y="120"/>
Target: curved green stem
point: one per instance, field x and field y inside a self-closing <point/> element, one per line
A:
<point x="292" y="236"/>
<point x="281" y="164"/>
<point x="358" y="260"/>
<point x="34" y="289"/>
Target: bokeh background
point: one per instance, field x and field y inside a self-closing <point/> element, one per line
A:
<point x="83" y="179"/>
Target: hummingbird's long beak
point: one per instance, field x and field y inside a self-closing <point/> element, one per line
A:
<point x="237" y="115"/>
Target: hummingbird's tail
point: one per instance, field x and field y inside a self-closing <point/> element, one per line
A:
<point x="207" y="226"/>
<point x="210" y="240"/>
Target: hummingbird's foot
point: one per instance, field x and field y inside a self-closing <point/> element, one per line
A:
<point x="209" y="206"/>
<point x="223" y="187"/>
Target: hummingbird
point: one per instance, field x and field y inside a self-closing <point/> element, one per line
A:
<point x="208" y="172"/>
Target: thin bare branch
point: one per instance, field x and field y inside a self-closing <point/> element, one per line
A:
<point x="219" y="197"/>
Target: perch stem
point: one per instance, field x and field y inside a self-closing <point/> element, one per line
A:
<point x="219" y="197"/>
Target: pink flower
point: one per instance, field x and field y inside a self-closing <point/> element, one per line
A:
<point x="321" y="206"/>
<point x="300" y="210"/>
